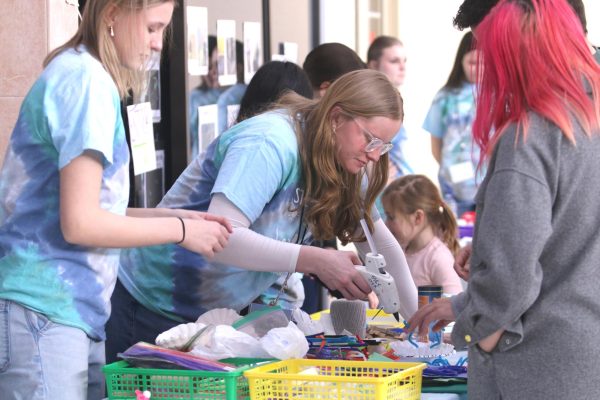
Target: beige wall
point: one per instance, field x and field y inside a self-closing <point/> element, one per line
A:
<point x="291" y="22"/>
<point x="28" y="30"/>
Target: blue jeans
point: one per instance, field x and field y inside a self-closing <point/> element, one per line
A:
<point x="130" y="322"/>
<point x="44" y="360"/>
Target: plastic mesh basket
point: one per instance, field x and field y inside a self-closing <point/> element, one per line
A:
<point x="332" y="379"/>
<point x="122" y="381"/>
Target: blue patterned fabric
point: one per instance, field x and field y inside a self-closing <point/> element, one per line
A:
<point x="74" y="106"/>
<point x="450" y="119"/>
<point x="255" y="164"/>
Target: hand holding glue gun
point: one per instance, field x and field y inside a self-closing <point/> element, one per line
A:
<point x="379" y="280"/>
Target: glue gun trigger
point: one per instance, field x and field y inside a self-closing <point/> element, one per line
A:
<point x="397" y="316"/>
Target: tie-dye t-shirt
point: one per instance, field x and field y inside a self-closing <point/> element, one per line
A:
<point x="397" y="155"/>
<point x="72" y="107"/>
<point x="255" y="164"/>
<point x="450" y="119"/>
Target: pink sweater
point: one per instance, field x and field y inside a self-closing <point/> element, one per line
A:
<point x="433" y="265"/>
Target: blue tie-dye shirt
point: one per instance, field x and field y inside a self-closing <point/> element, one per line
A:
<point x="72" y="107"/>
<point x="450" y="118"/>
<point x="255" y="164"/>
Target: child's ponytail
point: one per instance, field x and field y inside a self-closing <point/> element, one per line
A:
<point x="448" y="228"/>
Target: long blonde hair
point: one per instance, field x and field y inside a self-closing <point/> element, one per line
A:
<point x="93" y="33"/>
<point x="334" y="199"/>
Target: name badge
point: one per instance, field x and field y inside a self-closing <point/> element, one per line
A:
<point x="461" y="172"/>
<point x="141" y="134"/>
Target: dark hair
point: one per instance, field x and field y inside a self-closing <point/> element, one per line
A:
<point x="268" y="84"/>
<point x="579" y="9"/>
<point x="458" y="76"/>
<point x="379" y="44"/>
<point x="212" y="44"/>
<point x="472" y="12"/>
<point x="239" y="59"/>
<point x="329" y="61"/>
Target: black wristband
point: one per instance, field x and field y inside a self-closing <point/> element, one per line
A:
<point x="183" y="229"/>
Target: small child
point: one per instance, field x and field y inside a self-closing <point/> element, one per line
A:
<point x="425" y="228"/>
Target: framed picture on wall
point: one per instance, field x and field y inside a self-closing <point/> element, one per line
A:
<point x="197" y="40"/>
<point x="208" y="121"/>
<point x="253" y="55"/>
<point x="226" y="48"/>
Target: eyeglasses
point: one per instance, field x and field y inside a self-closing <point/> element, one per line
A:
<point x="373" y="142"/>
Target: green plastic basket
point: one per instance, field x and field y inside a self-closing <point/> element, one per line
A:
<point x="122" y="381"/>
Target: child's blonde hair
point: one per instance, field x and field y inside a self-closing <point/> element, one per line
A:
<point x="410" y="193"/>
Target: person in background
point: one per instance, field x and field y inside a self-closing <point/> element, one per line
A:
<point x="206" y="93"/>
<point x="269" y="83"/>
<point x="323" y="65"/>
<point x="425" y="227"/>
<point x="534" y="271"/>
<point x="282" y="178"/>
<point x="327" y="62"/>
<point x="233" y="94"/>
<point x="388" y="55"/>
<point x="449" y="121"/>
<point x="63" y="197"/>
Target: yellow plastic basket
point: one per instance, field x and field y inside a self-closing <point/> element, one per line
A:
<point x="335" y="379"/>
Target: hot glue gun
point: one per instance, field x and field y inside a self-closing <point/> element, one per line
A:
<point x="380" y="281"/>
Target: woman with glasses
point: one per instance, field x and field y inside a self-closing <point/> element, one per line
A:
<point x="306" y="169"/>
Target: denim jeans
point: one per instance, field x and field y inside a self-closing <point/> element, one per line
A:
<point x="44" y="360"/>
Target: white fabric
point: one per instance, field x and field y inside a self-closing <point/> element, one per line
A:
<point x="387" y="245"/>
<point x="248" y="249"/>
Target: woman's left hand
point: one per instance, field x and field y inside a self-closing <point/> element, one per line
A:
<point x="439" y="310"/>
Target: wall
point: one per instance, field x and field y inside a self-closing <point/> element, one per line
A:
<point x="337" y="22"/>
<point x="431" y="42"/>
<point x="290" y="22"/>
<point x="592" y="14"/>
<point x="27" y="33"/>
